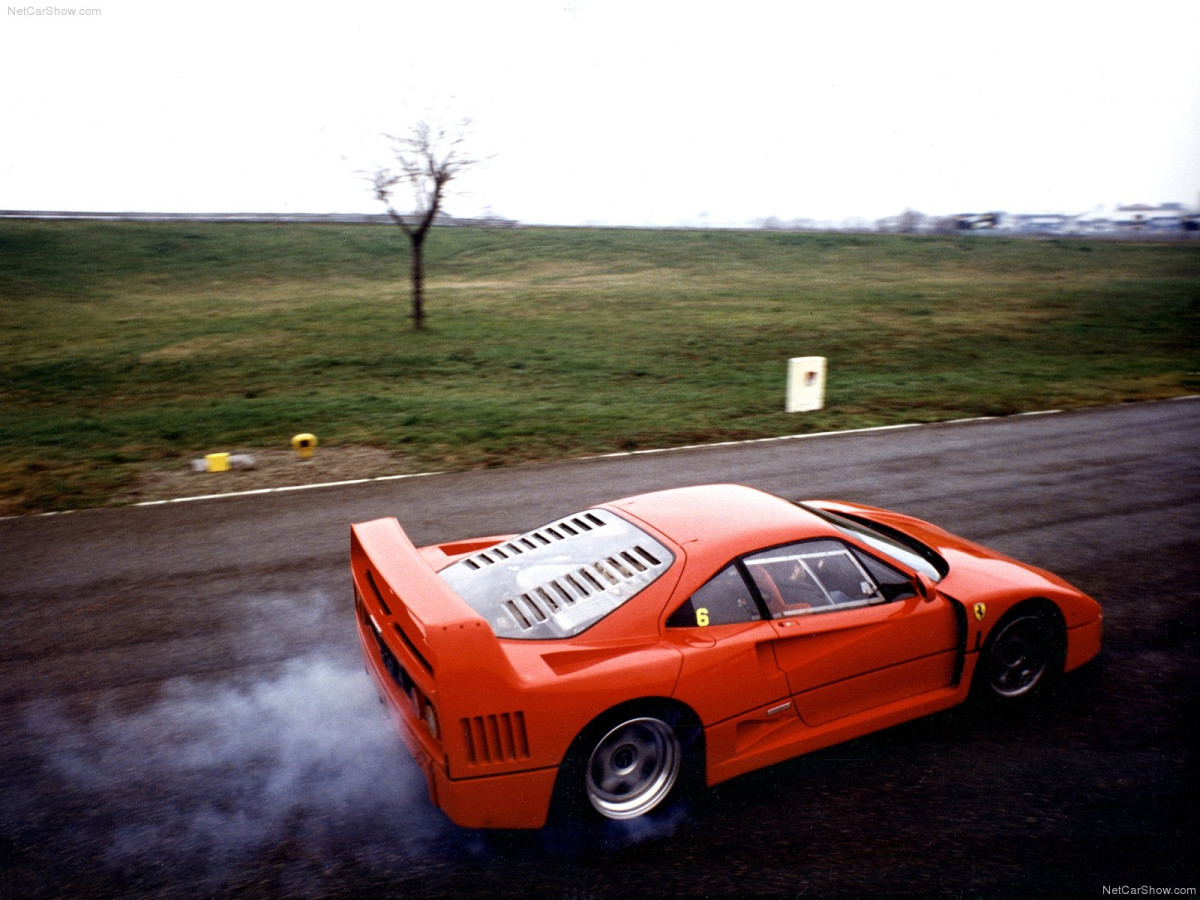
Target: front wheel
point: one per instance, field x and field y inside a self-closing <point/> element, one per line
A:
<point x="1023" y="654"/>
<point x="632" y="767"/>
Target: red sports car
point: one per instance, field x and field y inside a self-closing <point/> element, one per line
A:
<point x="704" y="632"/>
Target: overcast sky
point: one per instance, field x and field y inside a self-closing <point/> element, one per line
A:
<point x="644" y="112"/>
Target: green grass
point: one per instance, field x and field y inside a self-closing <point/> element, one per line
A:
<point x="132" y="346"/>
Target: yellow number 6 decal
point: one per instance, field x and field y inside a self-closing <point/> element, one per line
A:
<point x="702" y="616"/>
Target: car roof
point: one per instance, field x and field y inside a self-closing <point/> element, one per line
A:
<point x="730" y="518"/>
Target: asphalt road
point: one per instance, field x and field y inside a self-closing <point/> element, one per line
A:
<point x="183" y="713"/>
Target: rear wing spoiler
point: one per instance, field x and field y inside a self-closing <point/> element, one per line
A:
<point x="398" y="583"/>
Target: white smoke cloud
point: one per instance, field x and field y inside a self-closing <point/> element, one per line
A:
<point x="303" y="764"/>
<point x="281" y="779"/>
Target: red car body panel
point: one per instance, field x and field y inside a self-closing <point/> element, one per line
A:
<point x="490" y="719"/>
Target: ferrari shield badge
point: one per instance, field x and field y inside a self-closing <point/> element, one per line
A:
<point x="980" y="611"/>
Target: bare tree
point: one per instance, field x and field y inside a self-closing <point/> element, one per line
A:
<point x="428" y="158"/>
<point x="911" y="221"/>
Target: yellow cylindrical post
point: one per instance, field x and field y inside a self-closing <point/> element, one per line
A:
<point x="304" y="445"/>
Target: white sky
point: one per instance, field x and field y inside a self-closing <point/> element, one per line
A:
<point x="638" y="112"/>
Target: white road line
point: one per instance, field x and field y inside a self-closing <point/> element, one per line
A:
<point x="619" y="454"/>
<point x="281" y="490"/>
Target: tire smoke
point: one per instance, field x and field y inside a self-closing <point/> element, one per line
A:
<point x="302" y="766"/>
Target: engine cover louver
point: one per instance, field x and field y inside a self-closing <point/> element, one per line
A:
<point x="545" y="536"/>
<point x="558" y="579"/>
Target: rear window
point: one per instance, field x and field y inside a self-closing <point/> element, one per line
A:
<point x="560" y="579"/>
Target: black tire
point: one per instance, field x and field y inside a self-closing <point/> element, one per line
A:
<point x="632" y="768"/>
<point x="629" y="764"/>
<point x="1023" y="655"/>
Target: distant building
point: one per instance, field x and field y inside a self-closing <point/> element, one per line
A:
<point x="1099" y="221"/>
<point x="1038" y="223"/>
<point x="1140" y="217"/>
<point x="1133" y="219"/>
<point x="977" y="221"/>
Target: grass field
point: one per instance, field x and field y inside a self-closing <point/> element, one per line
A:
<point x="134" y="348"/>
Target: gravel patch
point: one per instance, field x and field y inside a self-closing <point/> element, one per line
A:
<point x="271" y="469"/>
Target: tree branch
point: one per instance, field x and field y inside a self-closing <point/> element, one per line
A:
<point x="427" y="159"/>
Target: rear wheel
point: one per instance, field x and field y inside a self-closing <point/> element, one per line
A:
<point x="1022" y="655"/>
<point x="632" y="767"/>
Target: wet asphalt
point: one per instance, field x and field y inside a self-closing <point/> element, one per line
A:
<point x="183" y="712"/>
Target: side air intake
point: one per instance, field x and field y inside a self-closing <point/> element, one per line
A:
<point x="495" y="738"/>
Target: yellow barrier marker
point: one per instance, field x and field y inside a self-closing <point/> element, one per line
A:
<point x="304" y="445"/>
<point x="217" y="462"/>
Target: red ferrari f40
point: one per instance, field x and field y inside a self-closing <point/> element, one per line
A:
<point x="605" y="658"/>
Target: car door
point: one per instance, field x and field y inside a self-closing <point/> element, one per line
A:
<point x="851" y="631"/>
<point x="730" y="677"/>
<point x="726" y="642"/>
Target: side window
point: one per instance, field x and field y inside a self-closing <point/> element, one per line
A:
<point x="893" y="584"/>
<point x="813" y="576"/>
<point x="724" y="600"/>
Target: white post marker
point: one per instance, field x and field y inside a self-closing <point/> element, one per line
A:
<point x="805" y="384"/>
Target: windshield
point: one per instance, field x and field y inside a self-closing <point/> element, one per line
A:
<point x="892" y="542"/>
<point x="557" y="580"/>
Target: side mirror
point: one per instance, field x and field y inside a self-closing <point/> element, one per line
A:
<point x="926" y="588"/>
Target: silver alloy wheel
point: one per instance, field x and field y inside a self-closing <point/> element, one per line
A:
<point x="1019" y="656"/>
<point x="633" y="767"/>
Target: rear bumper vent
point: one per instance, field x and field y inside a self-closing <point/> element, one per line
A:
<point x="495" y="738"/>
